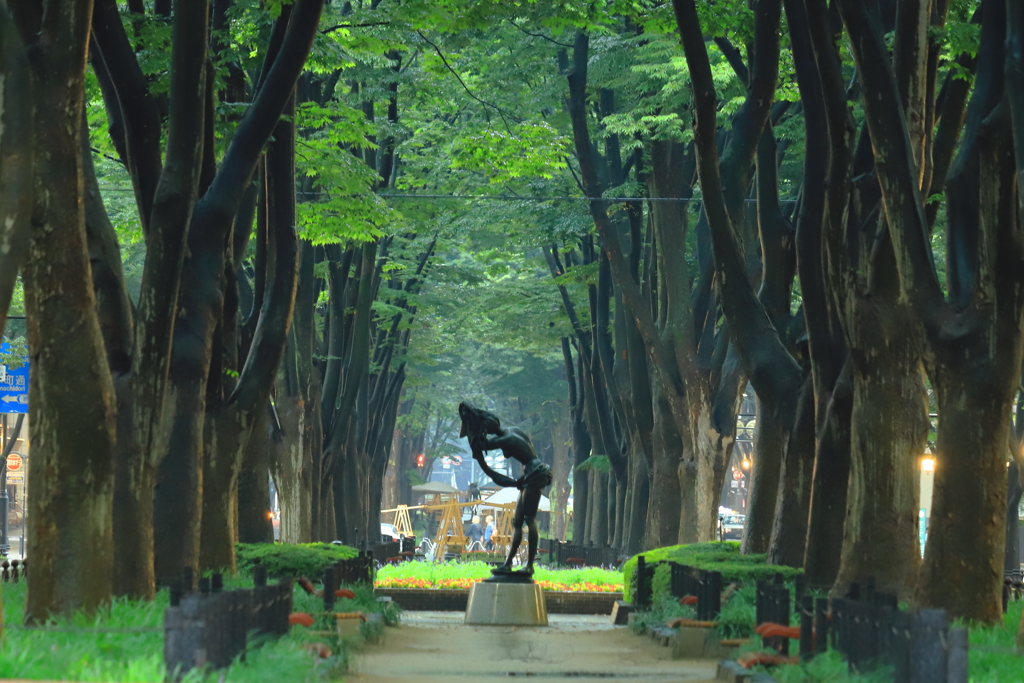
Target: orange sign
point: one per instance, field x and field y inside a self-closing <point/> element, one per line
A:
<point x="13" y="462"/>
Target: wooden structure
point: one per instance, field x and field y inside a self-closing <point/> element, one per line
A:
<point x="449" y="531"/>
<point x="450" y="536"/>
<point x="403" y="525"/>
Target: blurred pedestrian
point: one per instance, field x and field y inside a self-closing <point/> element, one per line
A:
<point x="489" y="533"/>
<point x="474" y="534"/>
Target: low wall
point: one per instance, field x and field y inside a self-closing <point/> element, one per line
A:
<point x="452" y="600"/>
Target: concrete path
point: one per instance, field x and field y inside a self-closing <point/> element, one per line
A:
<point x="435" y="647"/>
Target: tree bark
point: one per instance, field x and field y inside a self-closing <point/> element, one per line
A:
<point x="637" y="502"/>
<point x="16" y="158"/>
<point x="561" y="435"/>
<point x="827" y="516"/>
<point x="826" y="143"/>
<point x="888" y="434"/>
<point x="789" y="532"/>
<point x="70" y="389"/>
<point x="664" y="510"/>
<point x="165" y="198"/>
<point x="292" y="467"/>
<point x="974" y="339"/>
<point x="254" y="525"/>
<point x="1011" y="555"/>
<point x="766" y="362"/>
<point x="176" y="510"/>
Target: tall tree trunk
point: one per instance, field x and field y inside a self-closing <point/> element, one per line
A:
<point x="771" y="438"/>
<point x="974" y="337"/>
<point x="581" y="494"/>
<point x="789" y="532"/>
<point x="176" y="508"/>
<point x="253" y="487"/>
<point x="767" y="363"/>
<point x="687" y="476"/>
<point x="165" y="198"/>
<point x="637" y="500"/>
<point x="561" y="434"/>
<point x="972" y="413"/>
<point x="616" y="492"/>
<point x="827" y="516"/>
<point x="888" y="436"/>
<point x="663" y="509"/>
<point x="826" y="168"/>
<point x="599" y="506"/>
<point x="292" y="467"/>
<point x="70" y="389"/>
<point x="1011" y="555"/>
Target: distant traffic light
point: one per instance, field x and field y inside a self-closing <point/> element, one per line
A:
<point x="420" y="460"/>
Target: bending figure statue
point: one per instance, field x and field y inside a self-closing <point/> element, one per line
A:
<point x="484" y="431"/>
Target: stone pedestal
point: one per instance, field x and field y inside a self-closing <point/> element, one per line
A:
<point x="506" y="604"/>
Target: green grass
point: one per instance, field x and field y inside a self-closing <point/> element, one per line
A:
<point x="721" y="557"/>
<point x="464" y="574"/>
<point x="739" y="612"/>
<point x="84" y="656"/>
<point x="992" y="658"/>
<point x="663" y="609"/>
<point x="827" y="668"/>
<point x="73" y="650"/>
<point x="991" y="654"/>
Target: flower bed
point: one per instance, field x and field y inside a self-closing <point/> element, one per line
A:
<point x="461" y="576"/>
<point x="465" y="584"/>
<point x="456" y="600"/>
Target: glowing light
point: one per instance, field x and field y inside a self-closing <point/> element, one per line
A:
<point x="270" y="515"/>
<point x="745" y="464"/>
<point x="928" y="464"/>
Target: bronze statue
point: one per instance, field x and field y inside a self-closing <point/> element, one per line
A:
<point x="484" y="431"/>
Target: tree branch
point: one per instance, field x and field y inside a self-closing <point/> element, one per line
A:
<point x="539" y="35"/>
<point x="894" y="162"/>
<point x="501" y="112"/>
<point x="264" y="357"/>
<point x="139" y="109"/>
<point x="363" y="25"/>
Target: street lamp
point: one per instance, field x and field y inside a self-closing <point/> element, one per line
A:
<point x="928" y="463"/>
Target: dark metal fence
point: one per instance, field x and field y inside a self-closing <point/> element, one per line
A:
<point x="643" y="579"/>
<point x="684" y="582"/>
<point x="211" y="628"/>
<point x="568" y="554"/>
<point x="385" y="551"/>
<point x="14" y="570"/>
<point x="360" y="569"/>
<point x="869" y="631"/>
<point x="704" y="585"/>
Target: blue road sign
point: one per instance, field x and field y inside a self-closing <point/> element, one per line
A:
<point x="13" y="385"/>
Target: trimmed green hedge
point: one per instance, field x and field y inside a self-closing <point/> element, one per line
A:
<point x="284" y="559"/>
<point x="720" y="557"/>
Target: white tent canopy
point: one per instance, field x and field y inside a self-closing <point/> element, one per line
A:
<point x="511" y="495"/>
<point x="435" y="487"/>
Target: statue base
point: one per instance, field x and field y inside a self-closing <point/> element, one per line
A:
<point x="506" y="604"/>
<point x="500" y="575"/>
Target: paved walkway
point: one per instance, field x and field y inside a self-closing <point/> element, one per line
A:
<point x="435" y="647"/>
